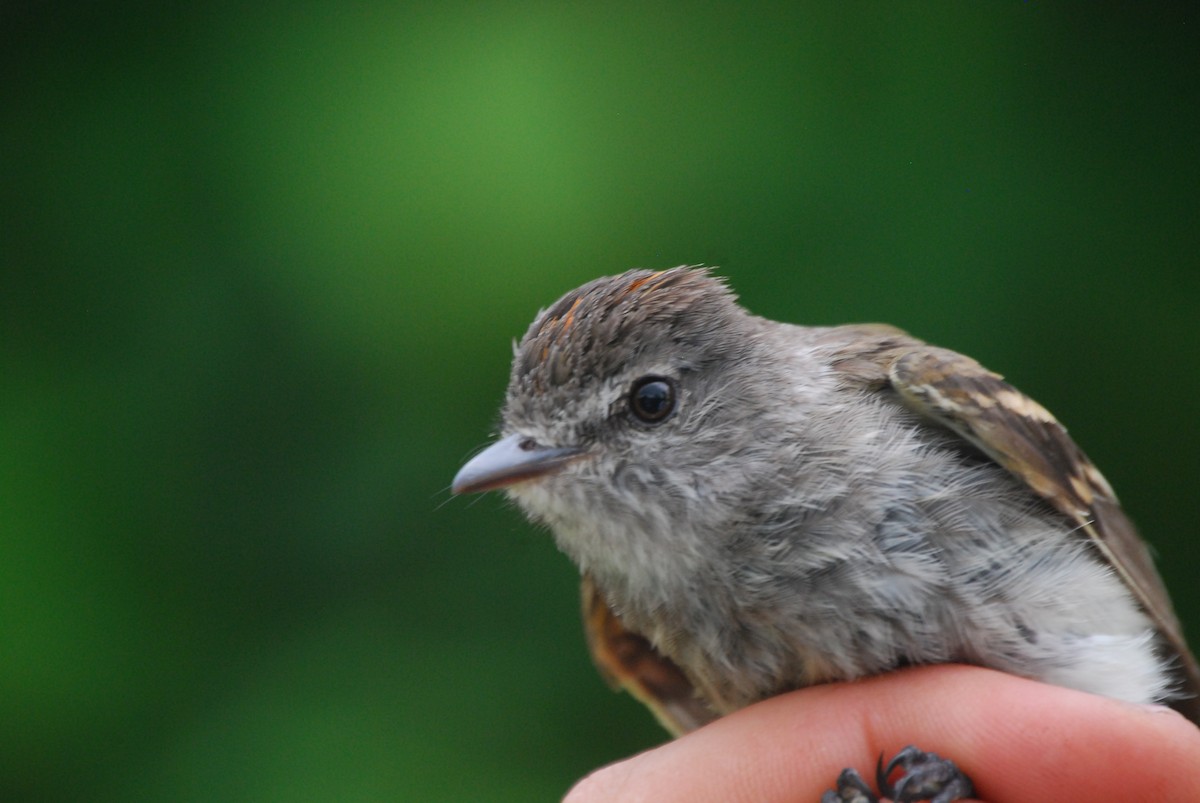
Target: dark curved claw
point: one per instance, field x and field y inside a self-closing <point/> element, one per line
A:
<point x="927" y="776"/>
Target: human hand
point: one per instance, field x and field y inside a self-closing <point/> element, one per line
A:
<point x="1017" y="739"/>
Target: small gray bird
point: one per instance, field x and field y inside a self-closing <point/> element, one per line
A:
<point x="757" y="507"/>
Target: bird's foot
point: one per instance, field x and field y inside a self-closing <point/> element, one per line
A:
<point x="926" y="777"/>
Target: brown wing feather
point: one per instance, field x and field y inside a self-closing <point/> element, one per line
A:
<point x="628" y="661"/>
<point x="1023" y="437"/>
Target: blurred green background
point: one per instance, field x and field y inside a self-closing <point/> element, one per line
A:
<point x="260" y="271"/>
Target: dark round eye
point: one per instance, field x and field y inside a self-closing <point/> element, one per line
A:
<point x="652" y="399"/>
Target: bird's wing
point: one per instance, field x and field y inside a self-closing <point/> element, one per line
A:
<point x="1012" y="429"/>
<point x="629" y="661"/>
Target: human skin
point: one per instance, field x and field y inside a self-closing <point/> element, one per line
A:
<point x="1017" y="739"/>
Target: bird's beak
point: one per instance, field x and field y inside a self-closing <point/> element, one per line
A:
<point x="508" y="461"/>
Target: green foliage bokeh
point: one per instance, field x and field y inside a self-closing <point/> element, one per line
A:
<point x="260" y="268"/>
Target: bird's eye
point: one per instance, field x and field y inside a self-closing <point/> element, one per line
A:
<point x="652" y="399"/>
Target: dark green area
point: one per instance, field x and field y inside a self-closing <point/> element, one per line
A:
<point x="261" y="266"/>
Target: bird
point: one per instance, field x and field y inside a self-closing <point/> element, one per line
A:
<point x="756" y="506"/>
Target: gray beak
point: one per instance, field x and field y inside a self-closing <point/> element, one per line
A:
<point x="511" y="460"/>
